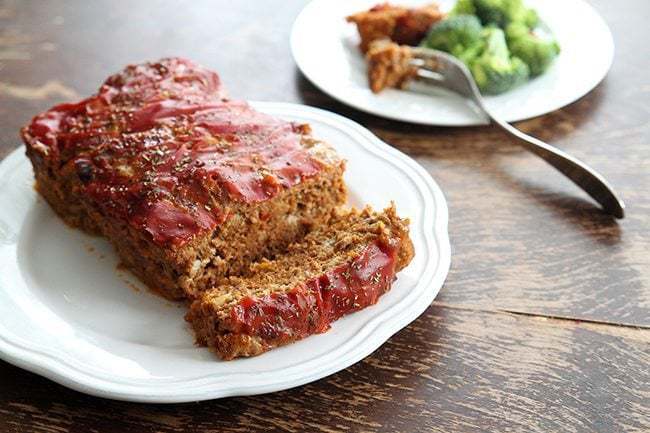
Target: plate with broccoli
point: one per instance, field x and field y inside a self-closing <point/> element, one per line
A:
<point x="528" y="57"/>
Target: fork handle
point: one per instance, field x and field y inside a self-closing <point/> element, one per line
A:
<point x="588" y="179"/>
<point x="445" y="70"/>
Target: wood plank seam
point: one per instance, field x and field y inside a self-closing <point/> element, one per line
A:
<point x="551" y="317"/>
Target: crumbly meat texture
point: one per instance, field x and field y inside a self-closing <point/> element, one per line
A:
<point x="188" y="185"/>
<point x="405" y="26"/>
<point x="389" y="65"/>
<point x="333" y="271"/>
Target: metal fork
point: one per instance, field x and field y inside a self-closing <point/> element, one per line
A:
<point x="444" y="70"/>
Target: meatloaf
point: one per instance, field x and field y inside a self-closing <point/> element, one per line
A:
<point x="335" y="270"/>
<point x="189" y="186"/>
<point x="405" y="26"/>
<point x="389" y="65"/>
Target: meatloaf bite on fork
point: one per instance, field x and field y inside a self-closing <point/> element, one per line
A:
<point x="335" y="270"/>
<point x="188" y="185"/>
<point x="389" y="65"/>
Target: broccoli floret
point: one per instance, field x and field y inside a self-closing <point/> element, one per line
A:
<point x="463" y="7"/>
<point x="498" y="12"/>
<point x="471" y="52"/>
<point x="536" y="49"/>
<point x="494" y="70"/>
<point x="530" y="19"/>
<point x="455" y="34"/>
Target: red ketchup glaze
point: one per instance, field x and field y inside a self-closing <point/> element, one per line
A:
<point x="312" y="307"/>
<point x="160" y="140"/>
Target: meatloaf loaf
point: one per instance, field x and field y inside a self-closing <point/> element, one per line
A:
<point x="188" y="185"/>
<point x="335" y="270"/>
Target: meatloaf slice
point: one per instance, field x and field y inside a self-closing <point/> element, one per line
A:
<point x="405" y="26"/>
<point x="188" y="185"/>
<point x="389" y="65"/>
<point x="335" y="270"/>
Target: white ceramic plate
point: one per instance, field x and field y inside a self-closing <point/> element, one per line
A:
<point x="325" y="48"/>
<point x="68" y="313"/>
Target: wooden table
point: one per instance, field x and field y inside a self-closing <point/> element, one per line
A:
<point x="544" y="321"/>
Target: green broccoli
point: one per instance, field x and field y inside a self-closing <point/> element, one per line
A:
<point x="455" y="35"/>
<point x="536" y="49"/>
<point x="498" y="12"/>
<point x="498" y="60"/>
<point x="494" y="70"/>
<point x="463" y="7"/>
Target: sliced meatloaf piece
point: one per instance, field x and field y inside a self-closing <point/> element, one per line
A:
<point x="403" y="25"/>
<point x="335" y="270"/>
<point x="389" y="65"/>
<point x="188" y="185"/>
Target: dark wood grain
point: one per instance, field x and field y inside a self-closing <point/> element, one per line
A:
<point x="454" y="369"/>
<point x="544" y="321"/>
